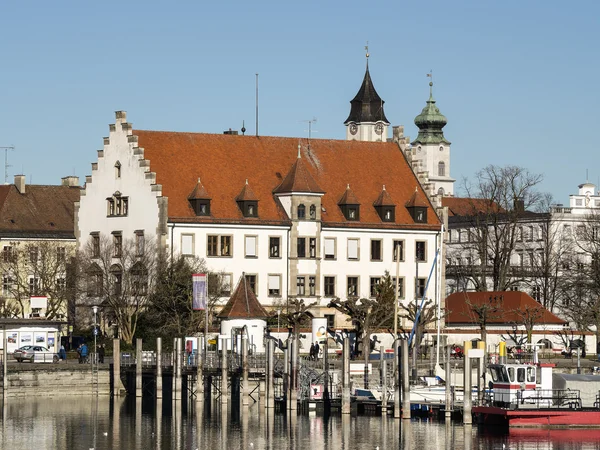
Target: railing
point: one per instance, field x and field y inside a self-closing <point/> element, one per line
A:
<point x="542" y="398"/>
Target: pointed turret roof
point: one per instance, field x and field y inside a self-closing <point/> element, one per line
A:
<point x="349" y="198"/>
<point x="299" y="179"/>
<point x="384" y="199"/>
<point x="417" y="199"/>
<point x="199" y="192"/>
<point x="367" y="105"/>
<point x="243" y="304"/>
<point x="430" y="123"/>
<point x="246" y="195"/>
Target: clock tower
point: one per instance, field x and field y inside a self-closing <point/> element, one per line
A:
<point x="367" y="121"/>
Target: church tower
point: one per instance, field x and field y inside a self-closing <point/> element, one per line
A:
<point x="431" y="147"/>
<point x="367" y="121"/>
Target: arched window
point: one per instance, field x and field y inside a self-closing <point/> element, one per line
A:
<point x="441" y="191"/>
<point x="313" y="212"/>
<point x="301" y="211"/>
<point x="116" y="273"/>
<point x="94" y="284"/>
<point x="441" y="169"/>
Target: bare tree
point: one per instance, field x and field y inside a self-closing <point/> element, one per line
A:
<point x="118" y="275"/>
<point x="35" y="269"/>
<point x="484" y="313"/>
<point x="501" y="198"/>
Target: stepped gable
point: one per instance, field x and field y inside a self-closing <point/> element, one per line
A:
<point x="384" y="199"/>
<point x="42" y="211"/>
<point x="507" y="303"/>
<point x="199" y="192"/>
<point x="418" y="199"/>
<point x="243" y="304"/>
<point x="299" y="179"/>
<point x="224" y="162"/>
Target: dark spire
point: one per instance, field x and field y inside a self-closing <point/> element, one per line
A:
<point x="367" y="105"/>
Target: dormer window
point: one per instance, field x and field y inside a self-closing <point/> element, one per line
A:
<point x="201" y="206"/>
<point x="352" y="213"/>
<point x="247" y="202"/>
<point x="417" y="207"/>
<point x="301" y="212"/>
<point x="350" y="205"/>
<point x="385" y="207"/>
<point x="313" y="212"/>
<point x="251" y="209"/>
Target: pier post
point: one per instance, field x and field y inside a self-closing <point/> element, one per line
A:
<point x="502" y="352"/>
<point x="177" y="370"/>
<point x="159" y="380"/>
<point x="405" y="381"/>
<point x="481" y="373"/>
<point x="270" y="368"/>
<point x="383" y="371"/>
<point x="467" y="397"/>
<point x="245" y="387"/>
<point x="346" y="376"/>
<point x="224" y="372"/>
<point x="448" y="410"/>
<point x="294" y="376"/>
<point x="286" y="377"/>
<point x="116" y="367"/>
<point x="396" y="378"/>
<point x="5" y="368"/>
<point x="199" y="371"/>
<point x="138" y="367"/>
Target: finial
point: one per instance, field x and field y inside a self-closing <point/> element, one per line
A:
<point x="384" y="187"/>
<point x="246" y="181"/>
<point x="416" y="189"/>
<point x="299" y="150"/>
<point x="199" y="180"/>
<point x="243" y="127"/>
<point x="348" y="186"/>
<point x="367" y="53"/>
<point x="430" y="75"/>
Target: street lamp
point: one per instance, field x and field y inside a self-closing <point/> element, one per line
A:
<point x="95" y="309"/>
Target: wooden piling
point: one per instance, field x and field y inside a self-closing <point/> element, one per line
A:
<point x="138" y="367"/>
<point x="116" y="367"/>
<point x="467" y="399"/>
<point x="397" y="382"/>
<point x="159" y="380"/>
<point x="270" y="379"/>
<point x="448" y="410"/>
<point x="224" y="372"/>
<point x="405" y="381"/>
<point x="245" y="387"/>
<point x="346" y="376"/>
<point x="199" y="371"/>
<point x="383" y="371"/>
<point x="177" y="370"/>
<point x="294" y="377"/>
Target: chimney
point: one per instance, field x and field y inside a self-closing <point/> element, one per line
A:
<point x="519" y="204"/>
<point x="71" y="181"/>
<point x="230" y="131"/>
<point x="20" y="183"/>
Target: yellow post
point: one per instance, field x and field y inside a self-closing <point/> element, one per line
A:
<point x="502" y="352"/>
<point x="467" y="347"/>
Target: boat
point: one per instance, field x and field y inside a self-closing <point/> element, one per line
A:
<point x="558" y="400"/>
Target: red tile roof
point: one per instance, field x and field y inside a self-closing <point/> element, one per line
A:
<point x="224" y="162"/>
<point x="243" y="304"/>
<point x="199" y="192"/>
<point x="458" y="206"/>
<point x="299" y="179"/>
<point x="508" y="302"/>
<point x="349" y="198"/>
<point x="42" y="211"/>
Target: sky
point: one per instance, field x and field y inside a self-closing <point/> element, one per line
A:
<point x="517" y="80"/>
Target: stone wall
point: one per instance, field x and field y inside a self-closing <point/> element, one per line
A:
<point x="51" y="382"/>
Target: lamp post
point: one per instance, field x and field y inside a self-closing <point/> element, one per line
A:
<point x="95" y="309"/>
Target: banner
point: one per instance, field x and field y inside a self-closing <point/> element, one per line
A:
<point x="200" y="291"/>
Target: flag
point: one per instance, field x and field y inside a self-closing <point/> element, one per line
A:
<point x="199" y="291"/>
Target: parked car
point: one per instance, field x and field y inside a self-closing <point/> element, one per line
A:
<point x="35" y="353"/>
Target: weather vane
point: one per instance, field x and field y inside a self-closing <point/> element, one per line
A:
<point x="367" y="49"/>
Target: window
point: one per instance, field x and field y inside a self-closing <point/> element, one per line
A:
<point x="217" y="245"/>
<point x="441" y="169"/>
<point x="7" y="254"/>
<point x="398" y="250"/>
<point x="139" y="280"/>
<point x="117" y="244"/>
<point x="300" y="286"/>
<point x="420" y="251"/>
<point x="95" y="244"/>
<point x="312" y="286"/>
<point x="187" y="244"/>
<point x="301" y="248"/>
<point x="251" y="280"/>
<point x="117" y="169"/>
<point x="329" y="286"/>
<point x="374" y="283"/>
<point x="375" y="249"/>
<point x="330" y="320"/>
<point x="140" y="243"/>
<point x="329" y="244"/>
<point x="219" y="284"/>
<point x="274" y="245"/>
<point x="34" y="285"/>
<point x="400" y="286"/>
<point x="301" y="212"/>
<point x="117" y="279"/>
<point x="313" y="212"/>
<point x="95" y="282"/>
<point x="578" y="202"/>
<point x="312" y="247"/>
<point x="519" y="234"/>
<point x="250" y="246"/>
<point x="352" y="287"/>
<point x="352" y="213"/>
<point x="420" y="287"/>
<point x="580" y="231"/>
<point x="353" y="249"/>
<point x="61" y="285"/>
<point x="225" y="282"/>
<point x="201" y="206"/>
<point x="61" y="254"/>
<point x="536" y="293"/>
<point x="117" y="206"/>
<point x="274" y="285"/>
<point x="6" y="285"/>
<point x="33" y="254"/>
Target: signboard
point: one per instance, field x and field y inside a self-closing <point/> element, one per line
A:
<point x="316" y="392"/>
<point x="200" y="291"/>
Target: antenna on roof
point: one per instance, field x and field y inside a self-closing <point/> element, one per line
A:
<point x="243" y="128"/>
<point x="257" y="105"/>
<point x="310" y="122"/>
<point x="6" y="165"/>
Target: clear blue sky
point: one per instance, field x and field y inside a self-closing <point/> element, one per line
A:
<point x="517" y="80"/>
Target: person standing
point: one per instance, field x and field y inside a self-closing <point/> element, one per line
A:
<point x="317" y="350"/>
<point x="101" y="352"/>
<point x="84" y="353"/>
<point x="62" y="353"/>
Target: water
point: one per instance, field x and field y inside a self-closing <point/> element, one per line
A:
<point x="102" y="423"/>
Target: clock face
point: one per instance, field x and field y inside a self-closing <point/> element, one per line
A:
<point x="353" y="128"/>
<point x="379" y="128"/>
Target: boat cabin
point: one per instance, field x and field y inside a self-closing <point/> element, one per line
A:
<point x="511" y="381"/>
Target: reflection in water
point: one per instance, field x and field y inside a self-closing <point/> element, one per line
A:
<point x="103" y="423"/>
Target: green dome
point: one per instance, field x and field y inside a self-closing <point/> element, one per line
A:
<point x="431" y="122"/>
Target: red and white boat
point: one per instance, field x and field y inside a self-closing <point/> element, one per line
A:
<point x="558" y="400"/>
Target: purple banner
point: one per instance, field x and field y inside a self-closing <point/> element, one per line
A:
<point x="200" y="291"/>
